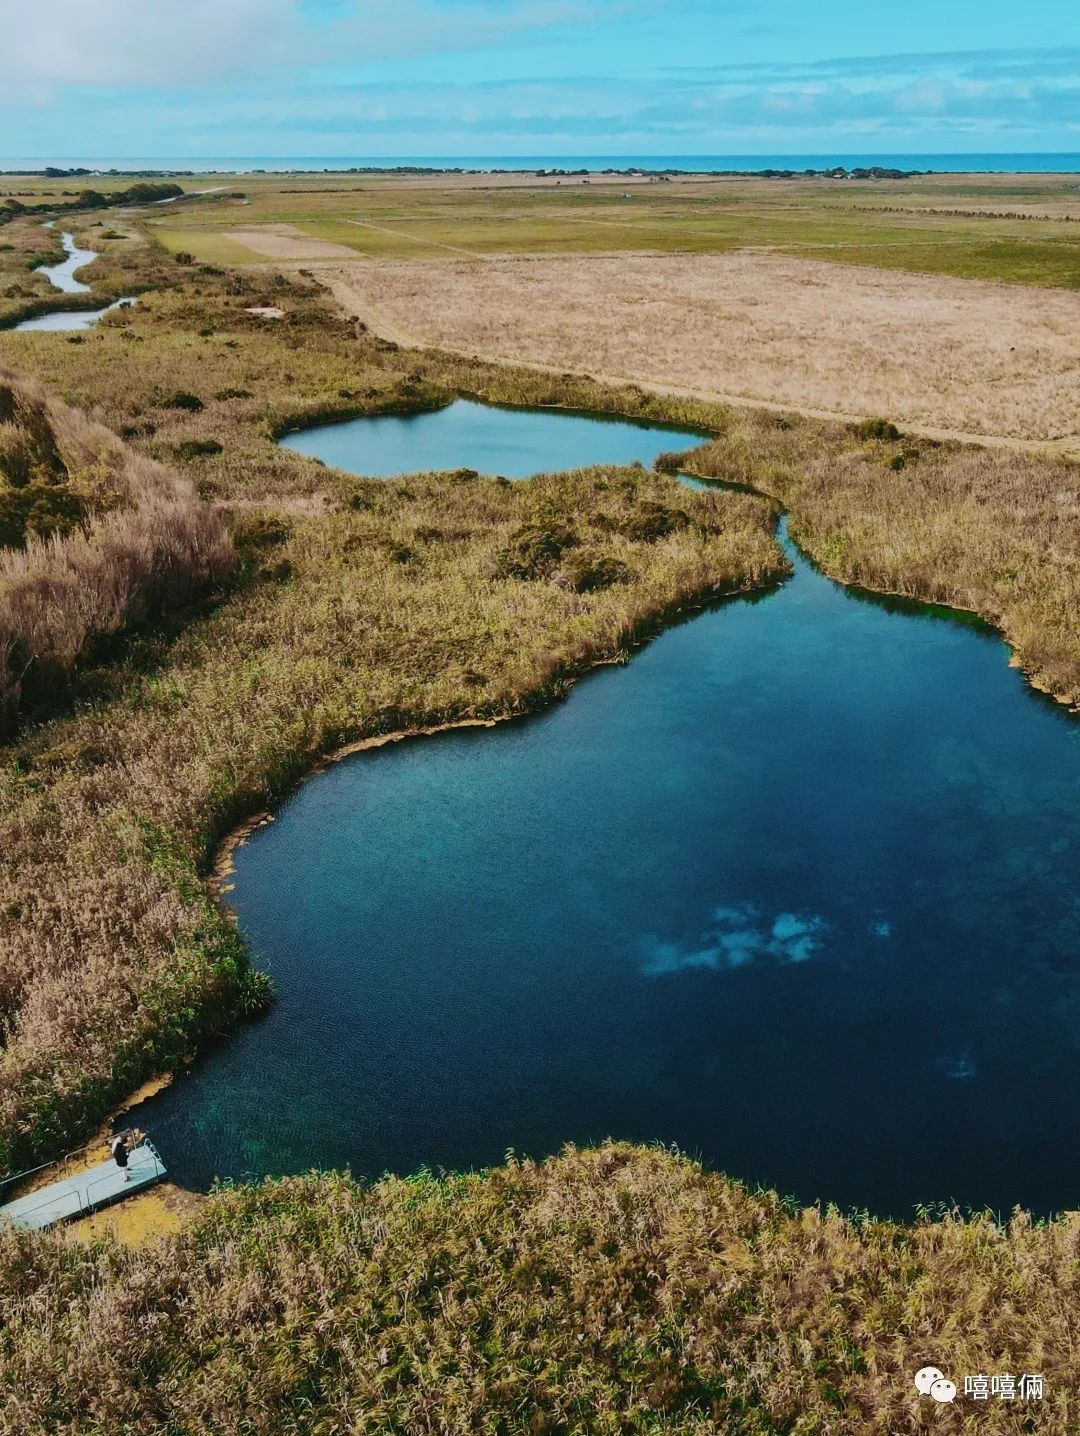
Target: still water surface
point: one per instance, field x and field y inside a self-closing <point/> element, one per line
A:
<point x="516" y="443"/>
<point x="62" y="275"/>
<point x="60" y="320"/>
<point x="795" y="890"/>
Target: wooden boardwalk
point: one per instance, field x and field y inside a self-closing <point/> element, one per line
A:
<point x="87" y="1191"/>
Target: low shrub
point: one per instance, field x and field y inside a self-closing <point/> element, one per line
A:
<point x="199" y="449"/>
<point x="181" y="400"/>
<point x="881" y="429"/>
<point x="259" y="531"/>
<point x="587" y="571"/>
<point x="651" y="521"/>
<point x="534" y="550"/>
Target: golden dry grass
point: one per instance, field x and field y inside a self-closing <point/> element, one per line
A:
<point x="332" y="636"/>
<point x="605" y="1292"/>
<point x="94" y="539"/>
<point x="601" y="1293"/>
<point x="942" y="353"/>
<point x="392" y="612"/>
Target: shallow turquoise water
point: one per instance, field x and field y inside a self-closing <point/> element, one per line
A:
<point x="515" y="443"/>
<point x="795" y="890"/>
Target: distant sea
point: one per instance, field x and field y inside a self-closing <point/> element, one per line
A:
<point x="691" y="164"/>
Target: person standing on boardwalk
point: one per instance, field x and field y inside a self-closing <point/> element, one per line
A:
<point x="118" y="1146"/>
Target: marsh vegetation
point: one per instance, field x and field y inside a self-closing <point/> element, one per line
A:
<point x="617" y="1290"/>
<point x="357" y="608"/>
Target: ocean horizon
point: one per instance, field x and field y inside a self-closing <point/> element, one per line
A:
<point x="1004" y="162"/>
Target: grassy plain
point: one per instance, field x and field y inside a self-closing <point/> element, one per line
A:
<point x="1015" y="228"/>
<point x="361" y="607"/>
<point x="831" y="296"/>
<point x="939" y="353"/>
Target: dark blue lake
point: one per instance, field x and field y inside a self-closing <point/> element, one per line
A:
<point x="515" y="443"/>
<point x="795" y="890"/>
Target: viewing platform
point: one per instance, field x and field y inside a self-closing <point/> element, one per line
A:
<point x="87" y="1191"/>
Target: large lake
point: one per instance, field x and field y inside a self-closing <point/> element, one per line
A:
<point x="795" y="890"/>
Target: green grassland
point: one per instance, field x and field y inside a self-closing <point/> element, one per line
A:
<point x="1025" y="233"/>
<point x="1022" y="229"/>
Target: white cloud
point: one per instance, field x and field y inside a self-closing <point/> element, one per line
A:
<point x="144" y="43"/>
<point x="149" y="44"/>
<point x="737" y="936"/>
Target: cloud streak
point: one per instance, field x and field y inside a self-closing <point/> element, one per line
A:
<point x="737" y="937"/>
<point x="356" y="77"/>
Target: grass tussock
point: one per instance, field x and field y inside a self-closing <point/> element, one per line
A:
<point x="94" y="540"/>
<point x="607" y="1291"/>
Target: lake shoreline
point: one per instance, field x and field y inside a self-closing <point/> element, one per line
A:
<point x="1015" y="661"/>
<point x="222" y="868"/>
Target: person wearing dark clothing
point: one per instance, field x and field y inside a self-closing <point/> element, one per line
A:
<point x="120" y="1155"/>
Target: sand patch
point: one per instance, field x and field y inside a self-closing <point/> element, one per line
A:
<point x="138" y="1219"/>
<point x="286" y="241"/>
<point x="952" y="354"/>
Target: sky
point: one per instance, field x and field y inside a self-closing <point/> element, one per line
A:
<point x="336" y="78"/>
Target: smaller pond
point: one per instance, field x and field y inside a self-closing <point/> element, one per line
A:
<point x="62" y="275"/>
<point x="68" y="319"/>
<point x="515" y="443"/>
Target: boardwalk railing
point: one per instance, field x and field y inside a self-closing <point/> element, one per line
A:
<point x="87" y="1191"/>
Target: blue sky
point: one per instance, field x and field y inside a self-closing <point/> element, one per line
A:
<point x="206" y="78"/>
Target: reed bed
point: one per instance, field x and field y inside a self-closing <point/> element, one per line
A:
<point x="607" y="1291"/>
<point x="618" y="1290"/>
<point x="104" y="540"/>
<point x="395" y="611"/>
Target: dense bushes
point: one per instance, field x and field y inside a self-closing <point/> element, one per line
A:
<point x="881" y="429"/>
<point x="58" y="594"/>
<point x="93" y="540"/>
<point x="534" y="550"/>
<point x="619" y="1290"/>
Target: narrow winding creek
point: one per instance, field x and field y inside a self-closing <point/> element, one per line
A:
<point x="794" y="890"/>
<point x="62" y="276"/>
<point x="69" y="319"/>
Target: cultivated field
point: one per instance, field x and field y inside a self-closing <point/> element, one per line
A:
<point x="932" y="351"/>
